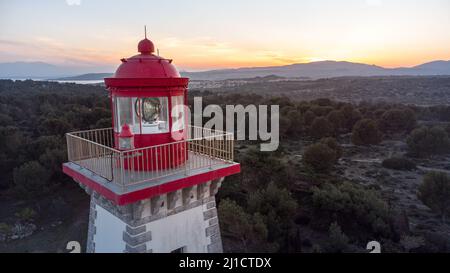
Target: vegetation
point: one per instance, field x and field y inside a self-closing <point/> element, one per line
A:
<point x="319" y="157"/>
<point x="34" y="116"/>
<point x="398" y="120"/>
<point x="338" y="241"/>
<point x="248" y="232"/>
<point x="434" y="192"/>
<point x="425" y="141"/>
<point x="365" y="132"/>
<point x="321" y="128"/>
<point x="278" y="203"/>
<point x="353" y="207"/>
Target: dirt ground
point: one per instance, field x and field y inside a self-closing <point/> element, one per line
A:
<point x="61" y="216"/>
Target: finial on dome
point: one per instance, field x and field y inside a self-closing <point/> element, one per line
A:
<point x="146" y="46"/>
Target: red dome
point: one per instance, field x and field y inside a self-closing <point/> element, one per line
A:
<point x="146" y="46"/>
<point x="146" y="64"/>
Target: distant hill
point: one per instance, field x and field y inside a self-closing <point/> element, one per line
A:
<point x="314" y="70"/>
<point x="324" y="69"/>
<point x="41" y="70"/>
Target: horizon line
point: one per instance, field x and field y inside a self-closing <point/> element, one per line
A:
<point x="225" y="68"/>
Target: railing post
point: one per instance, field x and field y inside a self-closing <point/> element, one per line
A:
<point x="210" y="152"/>
<point x="186" y="157"/>
<point x="122" y="170"/>
<point x="69" y="156"/>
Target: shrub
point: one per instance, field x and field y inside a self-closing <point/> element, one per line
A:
<point x="336" y="118"/>
<point x="434" y="192"/>
<point x="337" y="240"/>
<point x="398" y="120"/>
<point x="308" y="117"/>
<point x="277" y="207"/>
<point x="354" y="206"/>
<point x="365" y="132"/>
<point x="320" y="128"/>
<point x="248" y="232"/>
<point x="319" y="157"/>
<point x="398" y="163"/>
<point x="350" y="117"/>
<point x="5" y="228"/>
<point x="334" y="145"/>
<point x="31" y="178"/>
<point x="423" y="142"/>
<point x="26" y="214"/>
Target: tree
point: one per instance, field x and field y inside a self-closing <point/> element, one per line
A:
<point x="338" y="242"/>
<point x="320" y="128"/>
<point x="336" y="118"/>
<point x="308" y="117"/>
<point x="249" y="232"/>
<point x="423" y="142"/>
<point x="353" y="206"/>
<point x="365" y="132"/>
<point x="398" y="120"/>
<point x="31" y="178"/>
<point x="350" y="116"/>
<point x="277" y="208"/>
<point x="295" y="124"/>
<point x="319" y="157"/>
<point x="264" y="167"/>
<point x="334" y="145"/>
<point x="434" y="192"/>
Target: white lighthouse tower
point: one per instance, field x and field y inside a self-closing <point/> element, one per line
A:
<point x="152" y="178"/>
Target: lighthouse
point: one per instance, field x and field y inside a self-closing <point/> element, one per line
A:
<point x="152" y="178"/>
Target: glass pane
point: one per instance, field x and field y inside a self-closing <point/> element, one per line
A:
<point x="124" y="108"/>
<point x="177" y="113"/>
<point x="116" y="120"/>
<point x="154" y="115"/>
<point x="136" y="103"/>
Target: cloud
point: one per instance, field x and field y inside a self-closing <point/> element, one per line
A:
<point x="73" y="2"/>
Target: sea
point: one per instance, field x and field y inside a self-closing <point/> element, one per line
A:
<point x="70" y="81"/>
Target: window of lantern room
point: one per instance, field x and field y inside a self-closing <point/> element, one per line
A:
<point x="124" y="114"/>
<point x="152" y="114"/>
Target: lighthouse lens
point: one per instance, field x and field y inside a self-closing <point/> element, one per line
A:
<point x="151" y="109"/>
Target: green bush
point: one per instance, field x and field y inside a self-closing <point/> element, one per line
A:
<point x="5" y="228"/>
<point x="26" y="214"/>
<point x="31" y="178"/>
<point x="354" y="207"/>
<point x="398" y="163"/>
<point x="320" y="128"/>
<point x="247" y="232"/>
<point x="434" y="192"/>
<point x="365" y="132"/>
<point x="334" y="145"/>
<point x="398" y="120"/>
<point x="319" y="157"/>
<point x="423" y="142"/>
<point x="277" y="207"/>
<point x="338" y="242"/>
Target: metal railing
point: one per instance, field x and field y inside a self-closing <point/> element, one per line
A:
<point x="203" y="148"/>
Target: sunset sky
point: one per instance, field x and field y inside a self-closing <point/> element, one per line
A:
<point x="208" y="34"/>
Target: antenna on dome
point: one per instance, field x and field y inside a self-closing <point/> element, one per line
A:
<point x="145" y="31"/>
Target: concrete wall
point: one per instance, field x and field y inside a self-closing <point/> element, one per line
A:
<point x="108" y="232"/>
<point x="185" y="229"/>
<point x="185" y="219"/>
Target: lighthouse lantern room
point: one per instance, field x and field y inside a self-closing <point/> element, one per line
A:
<point x="152" y="177"/>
